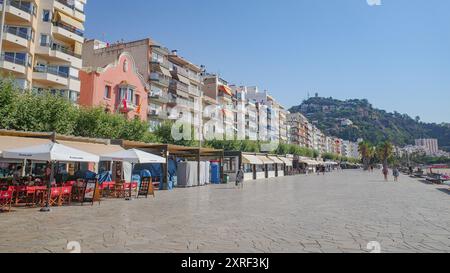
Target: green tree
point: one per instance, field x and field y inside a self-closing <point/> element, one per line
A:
<point x="384" y="153"/>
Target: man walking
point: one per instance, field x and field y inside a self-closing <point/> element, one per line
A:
<point x="240" y="178"/>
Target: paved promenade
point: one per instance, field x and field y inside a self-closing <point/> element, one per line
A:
<point x="339" y="212"/>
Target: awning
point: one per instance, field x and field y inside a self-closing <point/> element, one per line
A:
<point x="10" y="142"/>
<point x="93" y="148"/>
<point x="69" y="21"/>
<point x="165" y="71"/>
<point x="182" y="94"/>
<point x="183" y="79"/>
<point x="286" y="161"/>
<point x="51" y="152"/>
<point x="265" y="160"/>
<point x="276" y="159"/>
<point x="251" y="159"/>
<point x="309" y="162"/>
<point x="226" y="90"/>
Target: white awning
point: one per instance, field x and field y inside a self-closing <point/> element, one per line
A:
<point x="287" y="161"/>
<point x="309" y="162"/>
<point x="276" y="159"/>
<point x="12" y="142"/>
<point x="251" y="159"/>
<point x="133" y="156"/>
<point x="93" y="148"/>
<point x="265" y="160"/>
<point x="51" y="152"/>
<point x="165" y="71"/>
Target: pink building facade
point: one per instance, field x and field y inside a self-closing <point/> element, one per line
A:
<point x="118" y="87"/>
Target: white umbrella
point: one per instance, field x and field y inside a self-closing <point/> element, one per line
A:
<point x="50" y="152"/>
<point x="133" y="156"/>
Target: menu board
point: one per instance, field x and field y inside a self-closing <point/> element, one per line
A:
<point x="90" y="191"/>
<point x="146" y="187"/>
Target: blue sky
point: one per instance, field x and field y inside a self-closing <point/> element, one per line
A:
<point x="396" y="55"/>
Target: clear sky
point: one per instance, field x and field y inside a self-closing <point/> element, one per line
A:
<point x="396" y="55"/>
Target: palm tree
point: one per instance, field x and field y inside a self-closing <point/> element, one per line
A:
<point x="366" y="151"/>
<point x="385" y="151"/>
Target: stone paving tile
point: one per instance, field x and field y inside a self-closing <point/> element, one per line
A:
<point x="339" y="212"/>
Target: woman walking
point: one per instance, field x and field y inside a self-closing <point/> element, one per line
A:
<point x="240" y="178"/>
<point x="396" y="174"/>
<point x="385" y="173"/>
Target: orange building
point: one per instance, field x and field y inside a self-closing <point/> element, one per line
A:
<point x="118" y="87"/>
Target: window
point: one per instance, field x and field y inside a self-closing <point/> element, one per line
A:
<point x="137" y="99"/>
<point x="107" y="94"/>
<point x="45" y="40"/>
<point x="46" y="15"/>
<point x="127" y="94"/>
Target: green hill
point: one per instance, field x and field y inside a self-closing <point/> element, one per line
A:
<point x="369" y="123"/>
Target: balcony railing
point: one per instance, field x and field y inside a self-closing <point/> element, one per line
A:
<point x="156" y="77"/>
<point x="28" y="8"/>
<point x="71" y="6"/>
<point x="63" y="49"/>
<point x="177" y="85"/>
<point x="69" y="28"/>
<point x="54" y="70"/>
<point x="11" y="59"/>
<point x="182" y="102"/>
<point x="17" y="31"/>
<point x="180" y="70"/>
<point x="194" y="91"/>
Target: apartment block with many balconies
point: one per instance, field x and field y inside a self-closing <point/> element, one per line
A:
<point x="42" y="44"/>
<point x="219" y="90"/>
<point x="185" y="89"/>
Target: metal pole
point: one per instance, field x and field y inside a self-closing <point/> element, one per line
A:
<point x="49" y="189"/>
<point x="129" y="198"/>
<point x="2" y="25"/>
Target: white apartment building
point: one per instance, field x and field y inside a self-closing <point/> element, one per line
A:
<point x="431" y="146"/>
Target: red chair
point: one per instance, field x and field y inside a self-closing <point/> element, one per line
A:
<point x="55" y="196"/>
<point x="6" y="198"/>
<point x="66" y="195"/>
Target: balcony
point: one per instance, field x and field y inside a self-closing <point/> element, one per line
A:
<point x="158" y="97"/>
<point x="182" y="103"/>
<point x="68" y="32"/>
<point x="179" y="70"/>
<point x="164" y="64"/>
<point x="70" y="9"/>
<point x="16" y="36"/>
<point x="160" y="79"/>
<point x="178" y="86"/>
<point x="19" y="10"/>
<point x="50" y="75"/>
<point x="13" y="64"/>
<point x="129" y="107"/>
<point x="63" y="53"/>
<point x="194" y="91"/>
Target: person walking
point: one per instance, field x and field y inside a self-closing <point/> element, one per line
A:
<point x="396" y="174"/>
<point x="240" y="178"/>
<point x="385" y="173"/>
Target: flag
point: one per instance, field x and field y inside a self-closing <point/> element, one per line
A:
<point x="138" y="110"/>
<point x="125" y="106"/>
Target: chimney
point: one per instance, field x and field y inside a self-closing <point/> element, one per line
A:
<point x="175" y="52"/>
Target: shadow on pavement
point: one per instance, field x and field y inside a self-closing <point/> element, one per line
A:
<point x="447" y="191"/>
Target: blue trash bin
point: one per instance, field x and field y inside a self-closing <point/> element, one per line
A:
<point x="215" y="173"/>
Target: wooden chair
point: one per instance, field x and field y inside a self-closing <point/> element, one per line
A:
<point x="6" y="199"/>
<point x="118" y="190"/>
<point x="55" y="196"/>
<point x="78" y="190"/>
<point x="66" y="195"/>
